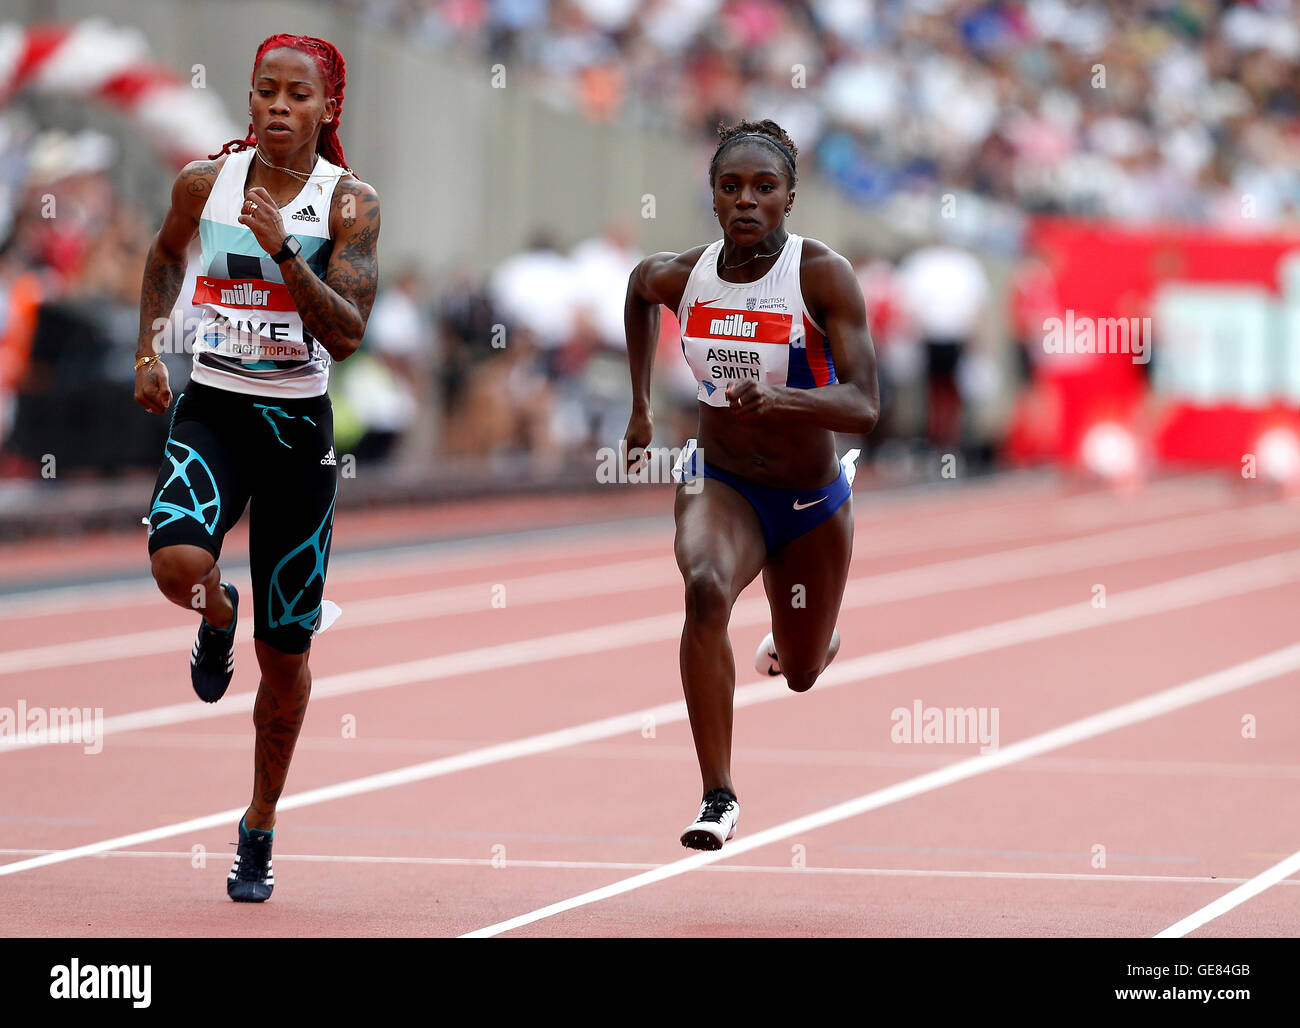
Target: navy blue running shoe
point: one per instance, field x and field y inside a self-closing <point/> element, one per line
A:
<point x="212" y="660"/>
<point x="251" y="878"/>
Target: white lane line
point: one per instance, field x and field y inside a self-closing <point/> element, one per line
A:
<point x="1219" y="683"/>
<point x="936" y="756"/>
<point x="1176" y="594"/>
<point x="928" y="580"/>
<point x="1065" y="518"/>
<point x="399" y="562"/>
<point x="891" y="587"/>
<point x="1183" y="535"/>
<point x="504" y="864"/>
<point x="547" y="587"/>
<point x="1094" y="509"/>
<point x="1249" y="889"/>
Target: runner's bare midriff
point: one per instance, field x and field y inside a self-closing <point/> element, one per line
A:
<point x="772" y="451"/>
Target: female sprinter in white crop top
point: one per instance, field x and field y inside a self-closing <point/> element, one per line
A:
<point x="774" y="327"/>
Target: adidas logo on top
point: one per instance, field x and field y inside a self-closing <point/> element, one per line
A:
<point x="308" y="213"/>
<point x="329" y="458"/>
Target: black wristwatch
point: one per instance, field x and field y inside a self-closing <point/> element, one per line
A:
<point x="289" y="248"/>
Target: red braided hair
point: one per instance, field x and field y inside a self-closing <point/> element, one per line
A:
<point x="333" y="70"/>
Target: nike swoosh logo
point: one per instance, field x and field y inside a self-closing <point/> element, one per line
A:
<point x="801" y="506"/>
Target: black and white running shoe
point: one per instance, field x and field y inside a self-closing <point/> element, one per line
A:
<point x="212" y="660"/>
<point x="251" y="877"/>
<point x="716" y="822"/>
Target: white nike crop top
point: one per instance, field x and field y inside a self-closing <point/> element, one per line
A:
<point x="761" y="330"/>
<point x="251" y="338"/>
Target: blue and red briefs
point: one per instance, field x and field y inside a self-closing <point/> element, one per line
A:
<point x="784" y="514"/>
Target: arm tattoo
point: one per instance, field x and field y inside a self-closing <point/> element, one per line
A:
<point x="162" y="284"/>
<point x="164" y="270"/>
<point x="335" y="310"/>
<point x="198" y="179"/>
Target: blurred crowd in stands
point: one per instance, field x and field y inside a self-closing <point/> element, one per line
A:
<point x="1137" y="110"/>
<point x="532" y="360"/>
<point x="72" y="254"/>
<point x="526" y="362"/>
<point x="1133" y="109"/>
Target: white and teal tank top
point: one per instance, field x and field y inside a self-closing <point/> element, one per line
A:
<point x="251" y="338"/>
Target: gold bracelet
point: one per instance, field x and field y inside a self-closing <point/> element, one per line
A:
<point x="144" y="362"/>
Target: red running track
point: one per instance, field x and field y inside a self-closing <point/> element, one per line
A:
<point x="524" y="766"/>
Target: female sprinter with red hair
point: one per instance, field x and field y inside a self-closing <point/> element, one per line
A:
<point x="774" y="328"/>
<point x="286" y="282"/>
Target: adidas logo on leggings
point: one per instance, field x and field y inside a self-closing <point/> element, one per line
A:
<point x="329" y="458"/>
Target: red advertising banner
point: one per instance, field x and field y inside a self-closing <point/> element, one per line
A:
<point x="1187" y="337"/>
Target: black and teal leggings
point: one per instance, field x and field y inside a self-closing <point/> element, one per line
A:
<point x="226" y="451"/>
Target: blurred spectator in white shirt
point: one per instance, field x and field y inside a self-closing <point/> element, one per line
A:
<point x="391" y="391"/>
<point x="601" y="266"/>
<point x="945" y="292"/>
<point x="538" y="290"/>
